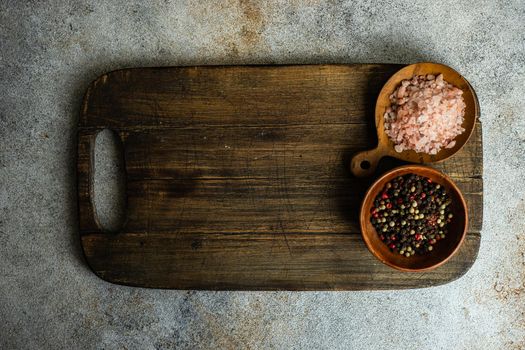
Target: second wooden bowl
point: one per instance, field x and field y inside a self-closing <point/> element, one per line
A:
<point x="443" y="250"/>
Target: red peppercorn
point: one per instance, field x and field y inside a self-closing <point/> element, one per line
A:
<point x="392" y="246"/>
<point x="399" y="201"/>
<point x="423" y="195"/>
<point x="411" y="198"/>
<point x="382" y="237"/>
<point x="375" y="215"/>
<point x="384" y="195"/>
<point x="418" y="237"/>
<point x="393" y="237"/>
<point x="429" y="181"/>
<point x="389" y="205"/>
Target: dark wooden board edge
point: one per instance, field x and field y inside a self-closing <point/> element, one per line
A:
<point x="212" y="250"/>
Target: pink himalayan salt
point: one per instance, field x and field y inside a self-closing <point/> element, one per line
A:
<point x="425" y="115"/>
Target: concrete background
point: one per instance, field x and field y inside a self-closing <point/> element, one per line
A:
<point x="51" y="50"/>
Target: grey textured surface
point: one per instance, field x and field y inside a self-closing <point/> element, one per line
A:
<point x="50" y="51"/>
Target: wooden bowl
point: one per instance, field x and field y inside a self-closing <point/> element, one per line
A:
<point x="443" y="250"/>
<point x="364" y="163"/>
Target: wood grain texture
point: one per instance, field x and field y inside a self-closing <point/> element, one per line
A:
<point x="238" y="178"/>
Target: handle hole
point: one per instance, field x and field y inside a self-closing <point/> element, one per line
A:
<point x="109" y="187"/>
<point x="365" y="165"/>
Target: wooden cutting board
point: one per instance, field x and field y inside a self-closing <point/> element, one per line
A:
<point x="237" y="178"/>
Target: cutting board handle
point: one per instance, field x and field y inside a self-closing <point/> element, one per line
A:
<point x="88" y="218"/>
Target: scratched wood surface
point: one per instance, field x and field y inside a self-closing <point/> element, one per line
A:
<point x="237" y="178"/>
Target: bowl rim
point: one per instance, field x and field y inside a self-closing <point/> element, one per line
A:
<point x="389" y="173"/>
